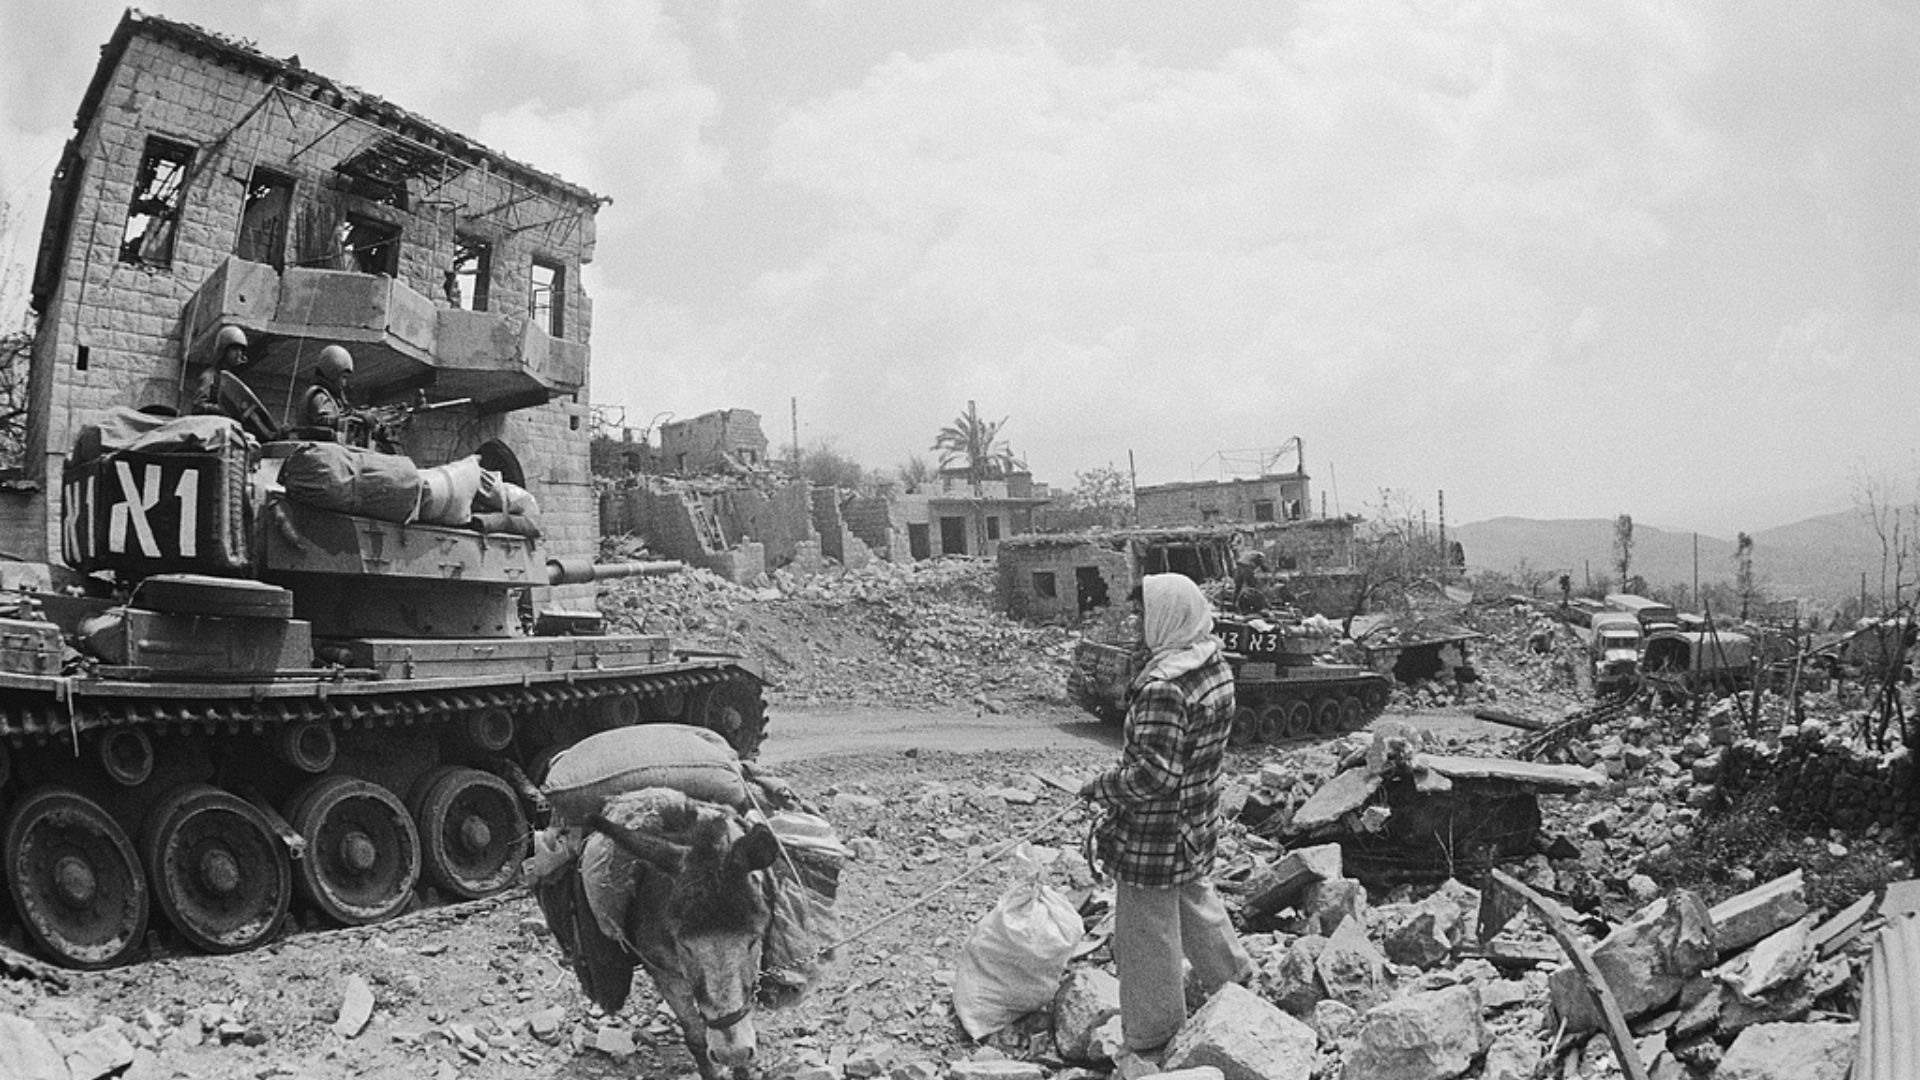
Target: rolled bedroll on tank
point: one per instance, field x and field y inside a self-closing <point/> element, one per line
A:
<point x="250" y="706"/>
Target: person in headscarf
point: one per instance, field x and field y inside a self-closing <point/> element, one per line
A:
<point x="1161" y="820"/>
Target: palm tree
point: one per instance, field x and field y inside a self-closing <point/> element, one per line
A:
<point x="978" y="443"/>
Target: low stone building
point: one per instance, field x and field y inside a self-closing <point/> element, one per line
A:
<point x="726" y="440"/>
<point x="1065" y="575"/>
<point x="951" y="516"/>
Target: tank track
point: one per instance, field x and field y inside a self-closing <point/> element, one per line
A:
<point x="131" y="806"/>
<point x="1279" y="710"/>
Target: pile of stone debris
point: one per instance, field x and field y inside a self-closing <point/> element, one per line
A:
<point x="917" y="635"/>
<point x="1437" y="982"/>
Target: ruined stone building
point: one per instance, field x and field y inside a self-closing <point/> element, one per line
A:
<point x="208" y="185"/>
<point x="1274" y="497"/>
<point x="950" y="516"/>
<point x="1066" y="575"/>
<point x="714" y="503"/>
<point x="720" y="441"/>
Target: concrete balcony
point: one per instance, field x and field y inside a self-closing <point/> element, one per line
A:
<point x="400" y="340"/>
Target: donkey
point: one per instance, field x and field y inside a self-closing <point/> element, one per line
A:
<point x="684" y="888"/>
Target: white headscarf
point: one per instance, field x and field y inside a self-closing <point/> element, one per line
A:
<point x="1177" y="623"/>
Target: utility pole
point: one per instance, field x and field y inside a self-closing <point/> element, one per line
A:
<point x="1446" y="557"/>
<point x="1696" y="568"/>
<point x="793" y="405"/>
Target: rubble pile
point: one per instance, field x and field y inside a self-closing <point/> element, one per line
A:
<point x="918" y="635"/>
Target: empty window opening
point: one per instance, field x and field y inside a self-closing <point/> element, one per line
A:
<point x="371" y="247"/>
<point x="919" y="543"/>
<point x="547" y="303"/>
<point x="155" y="210"/>
<point x="1044" y="585"/>
<point x="993" y="528"/>
<point x="263" y="220"/>
<point x="469" y="273"/>
<point x="1263" y="510"/>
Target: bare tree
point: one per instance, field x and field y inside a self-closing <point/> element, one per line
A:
<point x="1743" y="573"/>
<point x="1623" y="547"/>
<point x="16" y="352"/>
<point x="913" y="472"/>
<point x="1897" y="524"/>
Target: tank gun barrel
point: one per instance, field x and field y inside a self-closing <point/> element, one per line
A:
<point x="580" y="571"/>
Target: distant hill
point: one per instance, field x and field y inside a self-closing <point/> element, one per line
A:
<point x="1818" y="559"/>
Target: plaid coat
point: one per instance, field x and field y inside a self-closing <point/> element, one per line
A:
<point x="1162" y="800"/>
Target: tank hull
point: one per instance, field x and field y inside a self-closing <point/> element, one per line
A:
<point x="137" y="798"/>
<point x="1275" y="700"/>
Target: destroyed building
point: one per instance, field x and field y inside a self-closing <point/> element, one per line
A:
<point x="725" y="440"/>
<point x="1272" y="497"/>
<point x="1065" y="575"/>
<point x="727" y="511"/>
<point x="950" y="516"/>
<point x="208" y="185"/>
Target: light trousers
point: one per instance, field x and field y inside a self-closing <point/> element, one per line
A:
<point x="1153" y="931"/>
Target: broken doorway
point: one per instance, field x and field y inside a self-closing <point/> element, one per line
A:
<point x="918" y="544"/>
<point x="953" y="536"/>
<point x="1089" y="588"/>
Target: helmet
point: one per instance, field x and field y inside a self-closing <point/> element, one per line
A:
<point x="334" y="363"/>
<point x="228" y="337"/>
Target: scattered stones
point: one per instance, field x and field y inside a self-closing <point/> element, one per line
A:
<point x="356" y="1007"/>
<point x="1087" y="998"/>
<point x="1429" y="1036"/>
<point x="1351" y="970"/>
<point x="1245" y="1037"/>
<point x="1821" y="1051"/>
<point x="1645" y="962"/>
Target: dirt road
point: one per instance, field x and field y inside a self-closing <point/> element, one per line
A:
<point x="809" y="733"/>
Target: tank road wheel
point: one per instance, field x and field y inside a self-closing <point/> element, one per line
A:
<point x="1352" y="716"/>
<point x="1273" y="722"/>
<point x="1377" y="698"/>
<point x="217" y="868"/>
<point x="1326" y="715"/>
<point x="1299" y="719"/>
<point x="734" y="709"/>
<point x="1246" y="727"/>
<point x="363" y="855"/>
<point x="75" y="879"/>
<point x="473" y="836"/>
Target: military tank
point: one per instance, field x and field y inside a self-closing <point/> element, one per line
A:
<point x="1283" y="685"/>
<point x="244" y="703"/>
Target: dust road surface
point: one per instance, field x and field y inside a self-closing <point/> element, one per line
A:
<point x="800" y="734"/>
<point x="804" y="733"/>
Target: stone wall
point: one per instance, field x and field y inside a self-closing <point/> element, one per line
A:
<point x="870" y="519"/>
<point x="777" y="516"/>
<point x="111" y="331"/>
<point x="1820" y="779"/>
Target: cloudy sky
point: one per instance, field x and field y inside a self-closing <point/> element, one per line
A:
<point x="1555" y="260"/>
